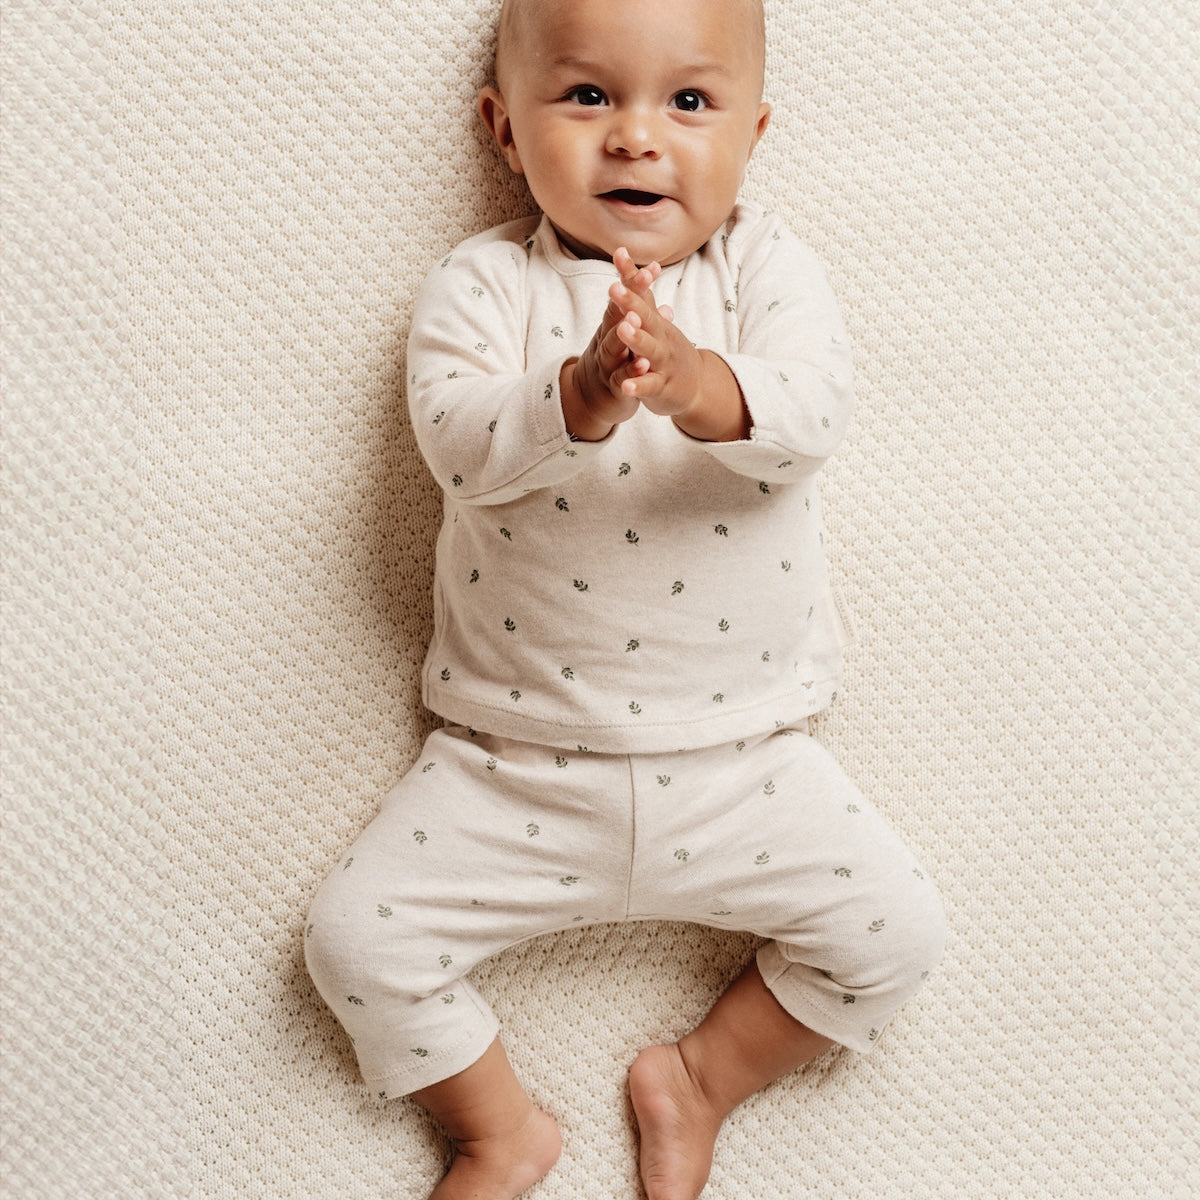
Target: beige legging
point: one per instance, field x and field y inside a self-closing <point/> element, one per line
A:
<point x="487" y="842"/>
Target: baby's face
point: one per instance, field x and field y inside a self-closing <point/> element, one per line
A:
<point x="632" y="122"/>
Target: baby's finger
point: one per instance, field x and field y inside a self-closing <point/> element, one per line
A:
<point x="629" y="301"/>
<point x="614" y="350"/>
<point x="639" y="279"/>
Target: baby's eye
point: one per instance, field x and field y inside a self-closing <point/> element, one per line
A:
<point x="689" y="101"/>
<point x="586" y="93"/>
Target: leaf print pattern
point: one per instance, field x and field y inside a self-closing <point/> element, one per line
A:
<point x="628" y="485"/>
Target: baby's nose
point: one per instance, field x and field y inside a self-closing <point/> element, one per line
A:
<point x="634" y="133"/>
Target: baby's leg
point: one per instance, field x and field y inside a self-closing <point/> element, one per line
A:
<point x="503" y="1143"/>
<point x="771" y="837"/>
<point x="484" y="844"/>
<point x="683" y="1092"/>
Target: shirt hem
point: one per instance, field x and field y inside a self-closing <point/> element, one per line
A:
<point x="631" y="737"/>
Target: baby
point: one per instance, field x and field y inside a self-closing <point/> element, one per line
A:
<point x="626" y="401"/>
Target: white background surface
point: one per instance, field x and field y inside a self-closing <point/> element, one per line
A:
<point x="219" y="548"/>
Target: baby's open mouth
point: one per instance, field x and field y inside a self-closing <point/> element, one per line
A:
<point x="630" y="196"/>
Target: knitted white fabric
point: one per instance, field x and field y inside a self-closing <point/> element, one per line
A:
<point x="218" y="555"/>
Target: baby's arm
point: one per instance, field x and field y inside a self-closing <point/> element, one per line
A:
<point x="775" y="406"/>
<point x="488" y="421"/>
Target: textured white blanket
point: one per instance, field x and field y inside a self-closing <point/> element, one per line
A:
<point x="218" y="556"/>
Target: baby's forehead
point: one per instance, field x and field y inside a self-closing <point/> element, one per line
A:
<point x="520" y="18"/>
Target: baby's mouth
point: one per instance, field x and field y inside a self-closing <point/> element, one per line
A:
<point x="632" y="196"/>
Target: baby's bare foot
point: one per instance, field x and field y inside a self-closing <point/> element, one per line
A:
<point x="677" y="1124"/>
<point x="505" y="1165"/>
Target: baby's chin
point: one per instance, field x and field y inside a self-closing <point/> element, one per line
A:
<point x="643" y="250"/>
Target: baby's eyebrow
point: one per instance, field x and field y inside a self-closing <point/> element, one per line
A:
<point x="696" y="70"/>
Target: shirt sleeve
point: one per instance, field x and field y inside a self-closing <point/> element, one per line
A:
<point x="793" y="360"/>
<point x="489" y="424"/>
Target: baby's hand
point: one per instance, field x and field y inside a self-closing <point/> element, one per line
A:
<point x="672" y="378"/>
<point x="665" y="370"/>
<point x="593" y="400"/>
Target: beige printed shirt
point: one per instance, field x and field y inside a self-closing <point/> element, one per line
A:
<point x="649" y="592"/>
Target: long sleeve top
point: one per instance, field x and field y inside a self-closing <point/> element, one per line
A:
<point x="649" y="592"/>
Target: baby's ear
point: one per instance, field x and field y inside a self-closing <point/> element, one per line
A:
<point x="494" y="112"/>
<point x="762" y="120"/>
